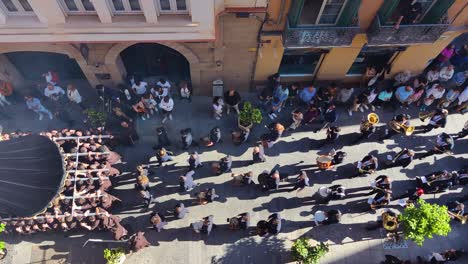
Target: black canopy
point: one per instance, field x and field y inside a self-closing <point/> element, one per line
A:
<point x="31" y="174"/>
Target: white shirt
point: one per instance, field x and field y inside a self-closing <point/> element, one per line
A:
<point x="463" y="97"/>
<point x="371" y="97"/>
<point x="56" y="91"/>
<point x="185" y="92"/>
<point x="167" y="106"/>
<point x="432" y="76"/>
<point x="218" y="108"/>
<point x="166" y="85"/>
<point x="435" y="92"/>
<point x="140" y="89"/>
<point x="74" y="96"/>
<point x="188" y="183"/>
<point x="445" y="74"/>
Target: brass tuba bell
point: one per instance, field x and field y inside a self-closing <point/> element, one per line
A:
<point x="373" y="118"/>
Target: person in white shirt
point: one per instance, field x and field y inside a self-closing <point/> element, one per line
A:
<point x="187" y="180"/>
<point x="205" y="225"/>
<point x="432" y="75"/>
<point x="218" y="107"/>
<point x="185" y="91"/>
<point x="53" y="91"/>
<point x="462" y="101"/>
<point x="180" y="211"/>
<point x="446" y="73"/>
<point x="164" y="84"/>
<point x="436" y="90"/>
<point x="51" y="77"/>
<point x="139" y="87"/>
<point x="166" y="105"/>
<point x="74" y="96"/>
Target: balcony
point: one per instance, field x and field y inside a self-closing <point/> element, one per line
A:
<point x="318" y="36"/>
<point x="379" y="34"/>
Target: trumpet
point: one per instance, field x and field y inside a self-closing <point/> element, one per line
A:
<point x="461" y="218"/>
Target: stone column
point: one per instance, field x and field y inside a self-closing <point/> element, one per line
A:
<point x="103" y="10"/>
<point x="48" y="11"/>
<point x="149" y="8"/>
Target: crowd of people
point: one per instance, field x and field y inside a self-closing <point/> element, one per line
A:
<point x="438" y="92"/>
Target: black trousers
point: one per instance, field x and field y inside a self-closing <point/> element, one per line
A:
<point x="364" y="135"/>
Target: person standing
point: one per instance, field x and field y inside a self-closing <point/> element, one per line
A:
<point x="74" y="96"/>
<point x="51" y="77"/>
<point x="166" y="105"/>
<point x="232" y="99"/>
<point x="165" y="84"/>
<point x="307" y="94"/>
<point x="446" y="73"/>
<point x="403" y="93"/>
<point x="218" y="107"/>
<point x="185" y="92"/>
<point x="53" y="91"/>
<point x="35" y="105"/>
<point x="282" y="93"/>
<point x="139" y="87"/>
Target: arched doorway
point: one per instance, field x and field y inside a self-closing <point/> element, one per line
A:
<point x="32" y="64"/>
<point x="152" y="61"/>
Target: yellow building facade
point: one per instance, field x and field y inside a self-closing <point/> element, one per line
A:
<point x="336" y="40"/>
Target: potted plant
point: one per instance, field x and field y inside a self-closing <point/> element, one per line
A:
<point x="114" y="255"/>
<point x="424" y="220"/>
<point x="3" y="250"/>
<point x="249" y="116"/>
<point x="302" y="252"/>
<point x="96" y="118"/>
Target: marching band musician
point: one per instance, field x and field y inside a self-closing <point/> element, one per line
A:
<point x="456" y="208"/>
<point x="438" y="120"/>
<point x="333" y="133"/>
<point x="381" y="183"/>
<point x="396" y="126"/>
<point x="444" y="144"/>
<point x="434" y="182"/>
<point x="462" y="176"/>
<point x="367" y="165"/>
<point x="462" y="133"/>
<point x="367" y="129"/>
<point x="403" y="159"/>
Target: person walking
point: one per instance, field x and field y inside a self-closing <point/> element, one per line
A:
<point x="166" y="105"/>
<point x="35" y="105"/>
<point x="232" y="99"/>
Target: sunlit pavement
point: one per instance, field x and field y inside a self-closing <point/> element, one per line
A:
<point x="177" y="243"/>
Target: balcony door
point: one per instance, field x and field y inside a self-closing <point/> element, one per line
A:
<point x="323" y="12"/>
<point x="432" y="11"/>
<point x="300" y="62"/>
<point x="377" y="57"/>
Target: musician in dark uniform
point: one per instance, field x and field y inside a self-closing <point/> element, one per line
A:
<point x="394" y="127"/>
<point x="369" y="164"/>
<point x="333" y="133"/>
<point x="403" y="159"/>
<point x="367" y="130"/>
<point x="438" y="120"/>
<point x="383" y="183"/>
<point x="462" y="133"/>
<point x="444" y="144"/>
<point x="435" y="182"/>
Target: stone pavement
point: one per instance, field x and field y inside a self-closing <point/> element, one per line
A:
<point x="350" y="241"/>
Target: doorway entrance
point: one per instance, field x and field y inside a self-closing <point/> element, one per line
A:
<point x="152" y="61"/>
<point x="32" y="64"/>
<point x="378" y="57"/>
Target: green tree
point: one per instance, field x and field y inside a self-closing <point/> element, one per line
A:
<point x="425" y="220"/>
<point x="304" y="253"/>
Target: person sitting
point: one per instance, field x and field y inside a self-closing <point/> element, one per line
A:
<point x="180" y="211"/>
<point x="297" y="118"/>
<point x="186" y="181"/>
<point x="269" y="139"/>
<point x="223" y="166"/>
<point x="444" y="144"/>
<point x="213" y="138"/>
<point x="258" y="154"/>
<point x="204" y="226"/>
<point x="164" y="155"/>
<point x="403" y="159"/>
<point x="158" y="221"/>
<point x="242" y="178"/>
<point x="302" y="181"/>
<point x="274" y="224"/>
<point x="368" y="165"/>
<point x="241" y="221"/>
<point x="194" y="161"/>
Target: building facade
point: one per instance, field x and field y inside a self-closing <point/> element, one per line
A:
<point x="104" y="41"/>
<point x="337" y="39"/>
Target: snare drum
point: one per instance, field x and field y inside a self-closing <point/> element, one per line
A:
<point x="324" y="162"/>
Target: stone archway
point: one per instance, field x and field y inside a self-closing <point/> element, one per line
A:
<point x="65" y="49"/>
<point x="117" y="70"/>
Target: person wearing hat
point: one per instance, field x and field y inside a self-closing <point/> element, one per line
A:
<point x="438" y="120"/>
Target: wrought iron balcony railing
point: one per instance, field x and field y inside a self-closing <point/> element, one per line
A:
<point x="318" y="36"/>
<point x="379" y="34"/>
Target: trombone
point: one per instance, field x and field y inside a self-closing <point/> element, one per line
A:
<point x="461" y="218"/>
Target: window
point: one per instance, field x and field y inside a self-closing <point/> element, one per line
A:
<point x="16" y="7"/>
<point x="78" y="6"/>
<point x="296" y="62"/>
<point x="126" y="6"/>
<point x="321" y="12"/>
<point x="377" y="57"/>
<point x="173" y="6"/>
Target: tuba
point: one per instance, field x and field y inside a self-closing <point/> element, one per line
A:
<point x="372" y="119"/>
<point x="397" y="126"/>
<point x="390" y="223"/>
